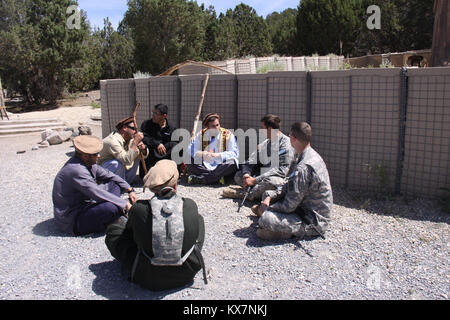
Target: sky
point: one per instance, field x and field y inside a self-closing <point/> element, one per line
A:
<point x="97" y="10"/>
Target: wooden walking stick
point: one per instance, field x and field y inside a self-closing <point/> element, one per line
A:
<point x="144" y="166"/>
<point x="199" y="111"/>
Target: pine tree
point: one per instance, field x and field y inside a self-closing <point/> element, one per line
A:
<point x="251" y="32"/>
<point x="39" y="51"/>
<point x="165" y="32"/>
<point x="322" y="25"/>
<point x="282" y="31"/>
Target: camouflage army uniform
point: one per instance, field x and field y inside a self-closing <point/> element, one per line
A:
<point x="307" y="191"/>
<point x="270" y="177"/>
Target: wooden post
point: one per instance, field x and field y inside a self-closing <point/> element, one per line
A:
<point x="441" y="36"/>
<point x="2" y="103"/>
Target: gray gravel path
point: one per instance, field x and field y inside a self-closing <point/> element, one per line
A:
<point x="374" y="250"/>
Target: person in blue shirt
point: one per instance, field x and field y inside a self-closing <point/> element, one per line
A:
<point x="214" y="152"/>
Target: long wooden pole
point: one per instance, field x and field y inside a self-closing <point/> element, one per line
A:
<point x="144" y="166"/>
<point x="199" y="110"/>
<point x="2" y="102"/>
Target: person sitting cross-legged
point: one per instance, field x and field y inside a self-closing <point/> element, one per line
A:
<point x="214" y="153"/>
<point x="261" y="177"/>
<point x="160" y="245"/>
<point x="86" y="197"/>
<point x="302" y="206"/>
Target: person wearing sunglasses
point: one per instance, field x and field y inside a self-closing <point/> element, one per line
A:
<point x="121" y="149"/>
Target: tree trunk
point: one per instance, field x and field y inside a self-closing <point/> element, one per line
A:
<point x="441" y="35"/>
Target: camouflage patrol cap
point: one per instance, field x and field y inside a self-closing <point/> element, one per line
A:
<point x="163" y="174"/>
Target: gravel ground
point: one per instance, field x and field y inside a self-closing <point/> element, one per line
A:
<point x="374" y="250"/>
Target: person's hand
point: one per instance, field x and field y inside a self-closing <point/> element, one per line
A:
<point x="138" y="137"/>
<point x="263" y="206"/>
<point x="142" y="147"/>
<point x="161" y="149"/>
<point x="207" y="156"/>
<point x="133" y="197"/>
<point x="249" y="182"/>
<point x="128" y="207"/>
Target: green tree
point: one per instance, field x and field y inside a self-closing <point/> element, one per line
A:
<point x="251" y="32"/>
<point x="386" y="39"/>
<point x="405" y="25"/>
<point x="38" y="52"/>
<point x="282" y="28"/>
<point x="12" y="12"/>
<point x="417" y="21"/>
<point x="323" y="24"/>
<point x="116" y="52"/>
<point x="226" y="47"/>
<point x="165" y="32"/>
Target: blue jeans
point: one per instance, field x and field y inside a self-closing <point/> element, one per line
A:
<point x="118" y="168"/>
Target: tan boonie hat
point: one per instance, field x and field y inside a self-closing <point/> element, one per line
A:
<point x="163" y="174"/>
<point x="88" y="144"/>
<point x="123" y="122"/>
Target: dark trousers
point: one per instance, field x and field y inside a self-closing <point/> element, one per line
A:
<point x="210" y="177"/>
<point x="96" y="217"/>
<point x="150" y="161"/>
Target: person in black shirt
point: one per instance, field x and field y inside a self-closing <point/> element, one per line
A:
<point x="157" y="137"/>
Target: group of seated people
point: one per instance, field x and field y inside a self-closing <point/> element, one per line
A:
<point x="161" y="238"/>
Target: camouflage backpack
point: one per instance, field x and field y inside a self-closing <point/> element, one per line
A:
<point x="168" y="233"/>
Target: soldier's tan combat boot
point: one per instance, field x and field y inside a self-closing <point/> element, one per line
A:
<point x="255" y="209"/>
<point x="270" y="235"/>
<point x="233" y="193"/>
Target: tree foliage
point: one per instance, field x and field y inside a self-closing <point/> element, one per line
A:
<point x="164" y="32"/>
<point x="251" y="32"/>
<point x="282" y="28"/>
<point x="40" y="57"/>
<point x="323" y="24"/>
<point x="38" y="49"/>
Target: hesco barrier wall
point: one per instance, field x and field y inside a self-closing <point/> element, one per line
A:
<point x="378" y="130"/>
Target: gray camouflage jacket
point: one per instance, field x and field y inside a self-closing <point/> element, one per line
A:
<point x="286" y="156"/>
<point x="308" y="186"/>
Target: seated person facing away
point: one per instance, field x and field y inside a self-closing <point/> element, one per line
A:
<point x="214" y="153"/>
<point x="81" y="205"/>
<point x="264" y="177"/>
<point x="121" y="150"/>
<point x="302" y="206"/>
<point x="161" y="242"/>
<point x="157" y="137"/>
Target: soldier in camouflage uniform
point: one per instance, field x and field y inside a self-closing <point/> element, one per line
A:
<point x="302" y="206"/>
<point x="268" y="176"/>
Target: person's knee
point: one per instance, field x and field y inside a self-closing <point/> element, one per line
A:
<point x="115" y="166"/>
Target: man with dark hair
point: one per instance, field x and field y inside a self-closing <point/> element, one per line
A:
<point x="86" y="197"/>
<point x="261" y="177"/>
<point x="121" y="150"/>
<point x="214" y="153"/>
<point x="302" y="206"/>
<point x="158" y="136"/>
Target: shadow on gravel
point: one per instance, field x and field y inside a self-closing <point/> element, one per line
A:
<point x="48" y="228"/>
<point x="111" y="284"/>
<point x="394" y="206"/>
